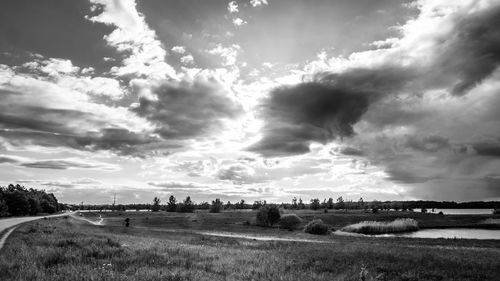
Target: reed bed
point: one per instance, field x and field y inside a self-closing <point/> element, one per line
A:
<point x="381" y="227"/>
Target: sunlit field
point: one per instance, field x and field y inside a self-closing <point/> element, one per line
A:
<point x="176" y="246"/>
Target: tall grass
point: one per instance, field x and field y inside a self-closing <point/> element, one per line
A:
<point x="378" y="227"/>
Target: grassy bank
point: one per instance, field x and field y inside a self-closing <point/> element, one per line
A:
<point x="377" y="227"/>
<point x="69" y="249"/>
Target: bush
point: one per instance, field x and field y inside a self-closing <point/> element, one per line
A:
<point x="290" y="221"/>
<point x="216" y="206"/>
<point x="268" y="215"/>
<point x="317" y="227"/>
<point x="496" y="211"/>
<point x="379" y="227"/>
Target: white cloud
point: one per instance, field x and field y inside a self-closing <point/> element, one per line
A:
<point x="232" y="7"/>
<point x="187" y="59"/>
<point x="179" y="49"/>
<point x="228" y="53"/>
<point x="256" y="3"/>
<point x="239" y="22"/>
<point x="132" y="35"/>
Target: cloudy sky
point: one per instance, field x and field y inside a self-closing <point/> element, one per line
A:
<point x="251" y="99"/>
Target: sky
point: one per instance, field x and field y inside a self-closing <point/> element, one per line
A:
<point x="251" y="99"/>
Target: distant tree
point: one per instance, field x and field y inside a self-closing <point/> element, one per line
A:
<point x="361" y="203"/>
<point x="172" y="204"/>
<point x="340" y="203"/>
<point x="203" y="206"/>
<point x="228" y="205"/>
<point x="156" y="205"/>
<point x="301" y="204"/>
<point x="258" y="204"/>
<point x="315" y="204"/>
<point x="329" y="203"/>
<point x="240" y="205"/>
<point x="294" y="203"/>
<point x="186" y="206"/>
<point x="216" y="206"/>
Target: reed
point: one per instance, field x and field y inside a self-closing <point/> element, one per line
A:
<point x="381" y="227"/>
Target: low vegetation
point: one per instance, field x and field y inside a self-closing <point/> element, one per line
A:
<point x="267" y="215"/>
<point x="317" y="227"/>
<point x="378" y="227"/>
<point x="68" y="249"/>
<point x="290" y="221"/>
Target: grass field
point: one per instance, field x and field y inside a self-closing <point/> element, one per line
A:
<point x="161" y="246"/>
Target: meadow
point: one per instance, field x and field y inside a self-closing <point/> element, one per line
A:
<point x="172" y="246"/>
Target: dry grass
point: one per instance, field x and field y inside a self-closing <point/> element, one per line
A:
<point x="68" y="249"/>
<point x="377" y="227"/>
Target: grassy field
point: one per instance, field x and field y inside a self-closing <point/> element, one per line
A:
<point x="161" y="246"/>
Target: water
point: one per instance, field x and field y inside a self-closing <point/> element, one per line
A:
<point x="460" y="211"/>
<point x="463" y="233"/>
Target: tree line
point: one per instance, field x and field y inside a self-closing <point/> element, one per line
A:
<point x="187" y="205"/>
<point x="16" y="200"/>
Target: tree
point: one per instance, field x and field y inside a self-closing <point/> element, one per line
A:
<point x="156" y="205"/>
<point x="17" y="202"/>
<point x="329" y="203"/>
<point x="340" y="203"/>
<point x="186" y="206"/>
<point x="216" y="206"/>
<point x="294" y="203"/>
<point x="228" y="205"/>
<point x="172" y="204"/>
<point x="301" y="204"/>
<point x="361" y="203"/>
<point x="315" y="204"/>
<point x="257" y="204"/>
<point x="268" y="215"/>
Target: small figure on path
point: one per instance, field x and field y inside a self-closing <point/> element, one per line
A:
<point x="127" y="222"/>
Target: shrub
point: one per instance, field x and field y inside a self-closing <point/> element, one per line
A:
<point x="268" y="215"/>
<point x="216" y="206"/>
<point x="496" y="211"/>
<point x="377" y="227"/>
<point x="290" y="221"/>
<point x="317" y="227"/>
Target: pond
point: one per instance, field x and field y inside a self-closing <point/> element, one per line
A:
<point x="463" y="233"/>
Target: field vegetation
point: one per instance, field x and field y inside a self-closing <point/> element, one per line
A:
<point x="377" y="227"/>
<point x="72" y="249"/>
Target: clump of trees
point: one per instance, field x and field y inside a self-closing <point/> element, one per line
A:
<point x="156" y="205"/>
<point x="317" y="227"/>
<point x="268" y="215"/>
<point x="290" y="221"/>
<point x="187" y="206"/>
<point x="216" y="206"/>
<point x="16" y="200"/>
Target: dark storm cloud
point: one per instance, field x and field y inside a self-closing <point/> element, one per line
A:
<point x="472" y="51"/>
<point x="431" y="143"/>
<point x="187" y="111"/>
<point x="54" y="28"/>
<point x="487" y="149"/>
<point x="56" y="164"/>
<point x="324" y="109"/>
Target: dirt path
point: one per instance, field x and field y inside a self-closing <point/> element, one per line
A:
<point x="78" y="217"/>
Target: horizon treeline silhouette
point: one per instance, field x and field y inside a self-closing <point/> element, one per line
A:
<point x="16" y="200"/>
